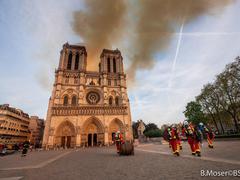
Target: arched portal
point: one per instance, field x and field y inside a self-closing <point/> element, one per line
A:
<point x="114" y="126"/>
<point x="93" y="132"/>
<point x="65" y="135"/>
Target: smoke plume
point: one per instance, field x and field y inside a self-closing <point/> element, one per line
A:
<point x="100" y="25"/>
<point x="156" y="22"/>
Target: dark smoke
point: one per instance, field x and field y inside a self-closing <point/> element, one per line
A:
<point x="158" y="20"/>
<point x="103" y="23"/>
<point x="99" y="26"/>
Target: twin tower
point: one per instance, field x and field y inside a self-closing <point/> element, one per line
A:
<point x="87" y="108"/>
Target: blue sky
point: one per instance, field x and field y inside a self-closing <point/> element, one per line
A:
<point x="32" y="34"/>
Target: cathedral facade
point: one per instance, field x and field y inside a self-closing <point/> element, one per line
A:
<point x="87" y="108"/>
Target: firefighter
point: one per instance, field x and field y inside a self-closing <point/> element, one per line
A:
<point x="179" y="138"/>
<point x="197" y="140"/>
<point x="173" y="139"/>
<point x="118" y="140"/>
<point x="166" y="135"/>
<point x="189" y="133"/>
<point x="25" y="148"/>
<point x="209" y="134"/>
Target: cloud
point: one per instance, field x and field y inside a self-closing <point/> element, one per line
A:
<point x="200" y="59"/>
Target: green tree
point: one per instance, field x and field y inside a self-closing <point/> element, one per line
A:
<point x="151" y="130"/>
<point x="219" y="101"/>
<point x="210" y="102"/>
<point x="228" y="83"/>
<point x="151" y="126"/>
<point x="194" y="113"/>
<point x="153" y="133"/>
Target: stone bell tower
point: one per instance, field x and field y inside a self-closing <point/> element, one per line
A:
<point x="86" y="108"/>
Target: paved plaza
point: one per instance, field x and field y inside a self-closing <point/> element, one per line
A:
<point x="151" y="161"/>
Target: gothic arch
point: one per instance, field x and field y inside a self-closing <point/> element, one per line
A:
<point x="96" y="122"/>
<point x="114" y="93"/>
<point x="117" y="122"/>
<point x="65" y="100"/>
<point x="92" y="132"/>
<point x="114" y="126"/>
<point x="117" y="101"/>
<point x="74" y="100"/>
<point x="61" y="126"/>
<point x="110" y="100"/>
<point x="65" y="135"/>
<point x="69" y="93"/>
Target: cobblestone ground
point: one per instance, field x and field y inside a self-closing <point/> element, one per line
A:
<point x="151" y="161"/>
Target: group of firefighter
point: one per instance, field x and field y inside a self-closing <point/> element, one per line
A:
<point x="194" y="134"/>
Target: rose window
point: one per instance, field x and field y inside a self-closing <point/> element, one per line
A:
<point x="93" y="98"/>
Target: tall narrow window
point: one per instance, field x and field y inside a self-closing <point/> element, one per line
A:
<point x="114" y="65"/>
<point x="69" y="65"/>
<point x="74" y="100"/>
<point x="99" y="67"/>
<point x="117" y="101"/>
<point x="108" y="65"/>
<point x="76" y="62"/>
<point x="110" y="101"/>
<point x="65" y="101"/>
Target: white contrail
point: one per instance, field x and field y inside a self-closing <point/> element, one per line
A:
<point x="180" y="34"/>
<point x="208" y="33"/>
<point x="176" y="55"/>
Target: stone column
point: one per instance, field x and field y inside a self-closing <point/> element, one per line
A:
<point x="50" y="142"/>
<point x="118" y="65"/>
<point x="84" y="62"/>
<point x="106" y="142"/>
<point x="121" y="70"/>
<point x="104" y="64"/>
<point x="81" y="62"/>
<point x="78" y="141"/>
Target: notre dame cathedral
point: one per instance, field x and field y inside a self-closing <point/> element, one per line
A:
<point x="87" y="108"/>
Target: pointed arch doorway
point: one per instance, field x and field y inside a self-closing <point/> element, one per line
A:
<point x="65" y="135"/>
<point x="114" y="126"/>
<point x="93" y="134"/>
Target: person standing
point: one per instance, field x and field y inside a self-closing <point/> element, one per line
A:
<point x="118" y="140"/>
<point x="166" y="135"/>
<point x="25" y="148"/>
<point x="209" y="134"/>
<point x="197" y="140"/>
<point x="174" y="139"/>
<point x="189" y="133"/>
